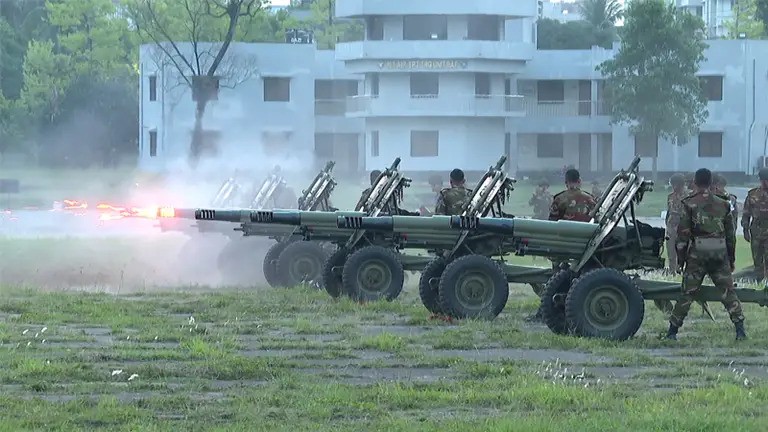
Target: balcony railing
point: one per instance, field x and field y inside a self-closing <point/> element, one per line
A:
<point x="570" y="108"/>
<point x="437" y="105"/>
<point x="330" y="107"/>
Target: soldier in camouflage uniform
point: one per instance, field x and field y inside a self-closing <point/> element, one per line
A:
<point x="541" y="200"/>
<point x="719" y="189"/>
<point x="706" y="246"/>
<point x="571" y="204"/>
<point x="674" y="212"/>
<point x="754" y="221"/>
<point x="450" y="201"/>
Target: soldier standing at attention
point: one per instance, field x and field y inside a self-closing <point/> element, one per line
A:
<point x="573" y="203"/>
<point x="706" y="246"/>
<point x="541" y="201"/>
<point x="674" y="212"/>
<point x="450" y="201"/>
<point x="754" y="221"/>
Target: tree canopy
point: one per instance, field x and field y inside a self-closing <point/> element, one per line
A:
<point x="651" y="82"/>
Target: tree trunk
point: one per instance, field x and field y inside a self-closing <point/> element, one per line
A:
<point x="196" y="146"/>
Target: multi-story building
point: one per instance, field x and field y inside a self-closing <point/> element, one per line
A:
<point x="272" y="99"/>
<point x="438" y="88"/>
<point x="455" y="90"/>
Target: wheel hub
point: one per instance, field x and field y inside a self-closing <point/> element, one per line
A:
<point x="374" y="277"/>
<point x="305" y="268"/>
<point x="474" y="290"/>
<point x="606" y="307"/>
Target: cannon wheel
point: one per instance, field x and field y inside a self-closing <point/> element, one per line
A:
<point x="373" y="273"/>
<point x="301" y="262"/>
<point x="473" y="286"/>
<point x="270" y="264"/>
<point x="553" y="301"/>
<point x="429" y="284"/>
<point x="605" y="303"/>
<point x="332" y="279"/>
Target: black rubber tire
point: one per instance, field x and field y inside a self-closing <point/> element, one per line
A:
<point x="450" y="292"/>
<point x="270" y="265"/>
<point x="617" y="290"/>
<point x="553" y="309"/>
<point x="301" y="252"/>
<point x="357" y="269"/>
<point x="430" y="292"/>
<point x="331" y="280"/>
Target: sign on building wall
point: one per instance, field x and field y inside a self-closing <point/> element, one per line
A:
<point x="422" y="64"/>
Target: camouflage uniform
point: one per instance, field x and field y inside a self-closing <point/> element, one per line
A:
<point x="451" y="200"/>
<point x="541" y="202"/>
<point x="707" y="245"/>
<point x="674" y="213"/>
<point x="718" y="188"/>
<point x="572" y="204"/>
<point x="754" y="221"/>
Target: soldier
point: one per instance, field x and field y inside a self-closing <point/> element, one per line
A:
<point x="374" y="175"/>
<point x="706" y="246"/>
<point x="689" y="184"/>
<point x="573" y="203"/>
<point x="720" y="182"/>
<point x="754" y="221"/>
<point x="596" y="191"/>
<point x="450" y="201"/>
<point x="674" y="212"/>
<point x="541" y="200"/>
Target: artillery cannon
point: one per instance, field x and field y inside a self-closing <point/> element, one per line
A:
<point x="385" y="195"/>
<point x="491" y="193"/>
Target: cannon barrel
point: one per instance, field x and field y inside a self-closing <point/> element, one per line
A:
<point x="516" y="227"/>
<point x="500" y="163"/>
<point x="329" y="166"/>
<point x="394" y="223"/>
<point x="223" y="215"/>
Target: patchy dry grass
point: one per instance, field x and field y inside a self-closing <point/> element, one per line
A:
<point x="298" y="360"/>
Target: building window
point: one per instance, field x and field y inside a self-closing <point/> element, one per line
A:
<point x="712" y="86"/>
<point x="646" y="145"/>
<point x="482" y="84"/>
<point x="711" y="144"/>
<point x="152" y="88"/>
<point x="277" y="89"/>
<point x="425" y="84"/>
<point x="153" y="143"/>
<point x="424" y="143"/>
<point x="550" y="90"/>
<point x="374" y="83"/>
<point x="374" y="28"/>
<point x="374" y="143"/>
<point x="483" y="27"/>
<point x="549" y="146"/>
<point x="425" y="27"/>
<point x="274" y="141"/>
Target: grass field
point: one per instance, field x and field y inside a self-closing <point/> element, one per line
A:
<point x="197" y="358"/>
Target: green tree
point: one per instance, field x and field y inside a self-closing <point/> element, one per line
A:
<point x="602" y="14"/>
<point x="329" y="30"/>
<point x="651" y="82"/>
<point x="209" y="27"/>
<point x="46" y="80"/>
<point x="572" y="35"/>
<point x="20" y="22"/>
<point x="745" y="21"/>
<point x="762" y="14"/>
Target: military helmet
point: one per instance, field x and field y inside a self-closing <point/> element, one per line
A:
<point x="677" y="180"/>
<point x="763" y="174"/>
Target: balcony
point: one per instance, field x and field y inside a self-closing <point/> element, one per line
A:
<point x="358" y="8"/>
<point x="437" y="105"/>
<point x="587" y="108"/>
<point x="436" y="51"/>
<point x="570" y="116"/>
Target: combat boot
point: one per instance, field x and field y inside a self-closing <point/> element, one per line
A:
<point x="740" y="333"/>
<point x="672" y="332"/>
